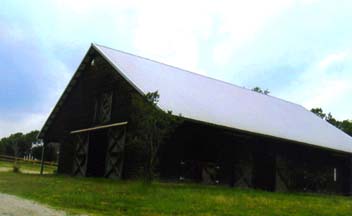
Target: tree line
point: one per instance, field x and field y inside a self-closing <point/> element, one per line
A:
<point x="21" y="145"/>
<point x="344" y="125"/>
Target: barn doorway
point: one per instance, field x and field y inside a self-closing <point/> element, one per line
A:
<point x="99" y="151"/>
<point x="264" y="171"/>
<point x="98" y="143"/>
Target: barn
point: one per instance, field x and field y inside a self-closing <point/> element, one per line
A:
<point x="230" y="135"/>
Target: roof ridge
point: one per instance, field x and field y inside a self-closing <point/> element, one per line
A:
<point x="200" y="75"/>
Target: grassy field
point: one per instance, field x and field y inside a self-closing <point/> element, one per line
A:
<point x="108" y="197"/>
<point x="27" y="167"/>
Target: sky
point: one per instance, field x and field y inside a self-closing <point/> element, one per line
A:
<point x="301" y="50"/>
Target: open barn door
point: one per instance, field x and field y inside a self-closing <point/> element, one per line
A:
<point x="99" y="151"/>
<point x="264" y="172"/>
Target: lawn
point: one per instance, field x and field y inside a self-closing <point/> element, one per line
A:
<point x="27" y="167"/>
<point x="107" y="197"/>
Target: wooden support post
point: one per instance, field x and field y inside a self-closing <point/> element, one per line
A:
<point x="42" y="160"/>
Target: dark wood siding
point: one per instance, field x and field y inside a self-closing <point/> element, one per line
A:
<point x="78" y="109"/>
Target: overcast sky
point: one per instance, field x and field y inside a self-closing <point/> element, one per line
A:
<point x="301" y="50"/>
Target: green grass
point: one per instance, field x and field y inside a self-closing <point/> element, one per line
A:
<point x="27" y="167"/>
<point x="107" y="197"/>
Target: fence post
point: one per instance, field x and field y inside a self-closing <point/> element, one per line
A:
<point x="42" y="160"/>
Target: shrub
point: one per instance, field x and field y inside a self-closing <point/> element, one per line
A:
<point x="16" y="167"/>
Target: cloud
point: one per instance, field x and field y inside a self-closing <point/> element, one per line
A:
<point x="325" y="83"/>
<point x="24" y="123"/>
<point x="241" y="22"/>
<point x="332" y="59"/>
<point x="34" y="79"/>
<point x="172" y="32"/>
<point x="11" y="35"/>
<point x="295" y="48"/>
<point x="177" y="32"/>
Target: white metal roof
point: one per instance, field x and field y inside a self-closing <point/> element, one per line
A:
<point x="205" y="99"/>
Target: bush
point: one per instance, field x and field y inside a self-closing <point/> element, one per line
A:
<point x="16" y="167"/>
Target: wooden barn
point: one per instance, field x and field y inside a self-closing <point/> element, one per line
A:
<point x="230" y="135"/>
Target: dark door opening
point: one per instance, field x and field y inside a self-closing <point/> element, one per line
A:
<point x="264" y="171"/>
<point x="97" y="153"/>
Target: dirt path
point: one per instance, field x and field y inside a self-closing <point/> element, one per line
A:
<point x="4" y="169"/>
<point x="9" y="169"/>
<point x="14" y="206"/>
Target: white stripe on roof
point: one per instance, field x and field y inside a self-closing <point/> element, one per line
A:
<point x="205" y="99"/>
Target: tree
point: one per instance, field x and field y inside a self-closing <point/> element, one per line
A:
<point x="13" y="144"/>
<point x="319" y="112"/>
<point x="329" y="118"/>
<point x="18" y="144"/>
<point x="346" y="126"/>
<point x="150" y="128"/>
<point x="259" y="90"/>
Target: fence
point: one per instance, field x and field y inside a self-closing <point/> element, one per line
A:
<point x="8" y="158"/>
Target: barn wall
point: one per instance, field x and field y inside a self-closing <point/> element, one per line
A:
<point x="246" y="160"/>
<point x="78" y="110"/>
<point x="198" y="151"/>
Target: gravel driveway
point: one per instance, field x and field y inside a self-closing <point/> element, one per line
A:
<point x="14" y="206"/>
